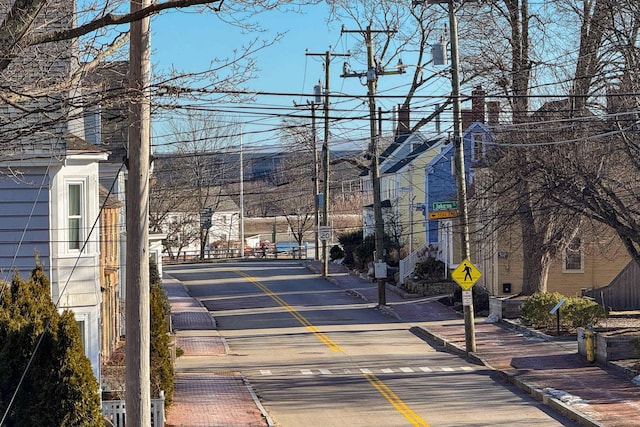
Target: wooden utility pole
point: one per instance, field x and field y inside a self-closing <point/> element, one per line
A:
<point x="326" y="156"/>
<point x="470" y="340"/>
<point x="469" y="327"/>
<point x="372" y="73"/>
<point x="137" y="371"/>
<point x="316" y="186"/>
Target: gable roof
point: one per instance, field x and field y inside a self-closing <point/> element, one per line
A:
<point x="426" y="145"/>
<point x="75" y="143"/>
<point x="393" y="148"/>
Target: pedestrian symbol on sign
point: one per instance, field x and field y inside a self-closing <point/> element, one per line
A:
<point x="466" y="274"/>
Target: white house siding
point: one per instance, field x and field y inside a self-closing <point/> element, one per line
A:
<point x="75" y="274"/>
<point x="34" y="221"/>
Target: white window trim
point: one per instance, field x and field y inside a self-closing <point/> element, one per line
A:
<point x="83" y="214"/>
<point x="83" y="324"/>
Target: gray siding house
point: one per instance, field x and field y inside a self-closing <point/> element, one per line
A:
<point x="49" y="187"/>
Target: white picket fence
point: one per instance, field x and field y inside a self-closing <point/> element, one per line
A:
<point x="114" y="412"/>
<point x="408" y="263"/>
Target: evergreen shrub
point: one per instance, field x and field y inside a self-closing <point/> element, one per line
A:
<point x="161" y="365"/>
<point x="349" y="242"/>
<point x="575" y="312"/>
<point x="58" y="388"/>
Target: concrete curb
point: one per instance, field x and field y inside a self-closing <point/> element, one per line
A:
<point x="256" y="400"/>
<point x="540" y="395"/>
<point x="547" y="399"/>
<point x="556" y="404"/>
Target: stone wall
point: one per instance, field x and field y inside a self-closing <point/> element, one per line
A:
<point x="505" y="308"/>
<point x="428" y="288"/>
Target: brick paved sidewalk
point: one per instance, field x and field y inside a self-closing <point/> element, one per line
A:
<point x="205" y="399"/>
<point x="551" y="371"/>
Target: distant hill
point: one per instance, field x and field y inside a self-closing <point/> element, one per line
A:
<point x="258" y="166"/>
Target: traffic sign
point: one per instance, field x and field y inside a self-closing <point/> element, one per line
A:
<point x="324" y="233"/>
<point x="444" y="206"/>
<point x="467" y="298"/>
<point x="466" y="274"/>
<point x="443" y="214"/>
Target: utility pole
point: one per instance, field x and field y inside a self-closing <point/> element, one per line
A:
<point x="241" y="197"/>
<point x="373" y="71"/>
<point x="137" y="372"/>
<point x="469" y="327"/>
<point x="317" y="89"/>
<point x="326" y="155"/>
<point x="316" y="185"/>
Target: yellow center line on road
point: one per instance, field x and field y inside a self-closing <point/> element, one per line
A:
<point x="382" y="388"/>
<point x="397" y="403"/>
<point x="315" y="331"/>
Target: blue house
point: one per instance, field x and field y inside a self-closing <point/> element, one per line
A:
<point x="441" y="186"/>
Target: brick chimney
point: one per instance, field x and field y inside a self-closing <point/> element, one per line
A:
<point x="467" y="118"/>
<point x="404" y="122"/>
<point x="477" y="104"/>
<point x="493" y="113"/>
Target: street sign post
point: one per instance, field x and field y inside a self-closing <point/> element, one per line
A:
<point x="205" y="218"/>
<point x="466" y="274"/>
<point x="467" y="298"/>
<point x="324" y="233"/>
<point x="444" y="206"/>
<point x="443" y="214"/>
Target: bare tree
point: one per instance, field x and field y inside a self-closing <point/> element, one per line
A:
<point x="194" y="177"/>
<point x="556" y="162"/>
<point x="40" y="32"/>
<point x="294" y="196"/>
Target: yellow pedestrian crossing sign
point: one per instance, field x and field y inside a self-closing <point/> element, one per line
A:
<point x="466" y="274"/>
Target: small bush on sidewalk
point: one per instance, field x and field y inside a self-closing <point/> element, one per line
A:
<point x="574" y="312"/>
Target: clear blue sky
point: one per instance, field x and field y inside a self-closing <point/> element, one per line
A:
<point x="189" y="41"/>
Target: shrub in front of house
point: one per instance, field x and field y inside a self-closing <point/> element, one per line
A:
<point x="575" y="312"/>
<point x="430" y="269"/>
<point x="349" y="242"/>
<point x="41" y="352"/>
<point x="581" y="312"/>
<point x="161" y="365"/>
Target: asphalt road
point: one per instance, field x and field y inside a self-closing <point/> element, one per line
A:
<point x="317" y="356"/>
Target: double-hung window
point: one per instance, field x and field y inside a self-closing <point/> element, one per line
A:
<point x="573" y="262"/>
<point x="75" y="215"/>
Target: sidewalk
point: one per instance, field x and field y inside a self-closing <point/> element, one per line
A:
<point x="551" y="371"/>
<point x="203" y="398"/>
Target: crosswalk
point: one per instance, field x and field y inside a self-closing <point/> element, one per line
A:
<point x="349" y="371"/>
